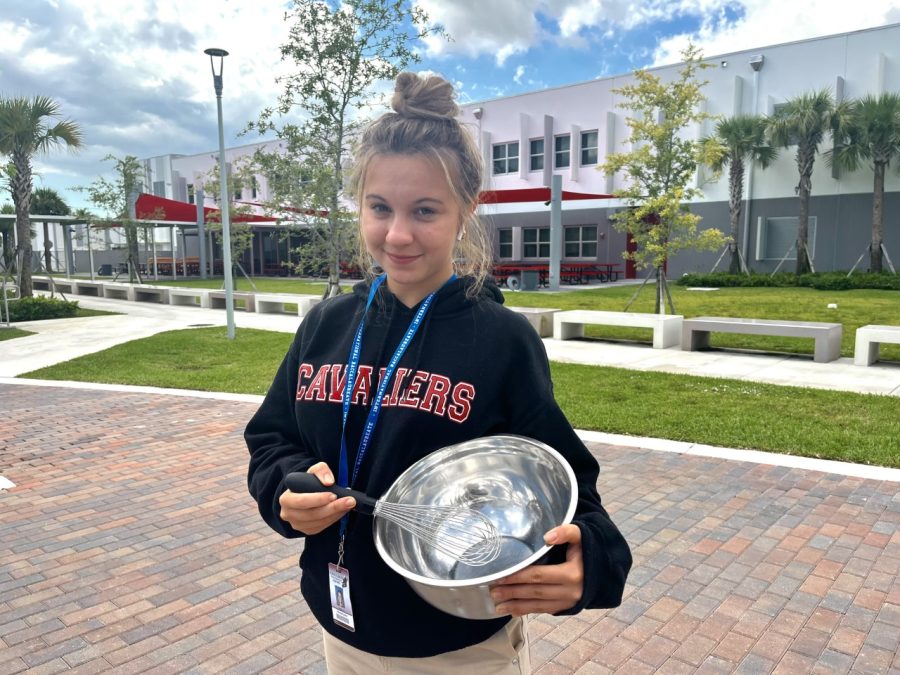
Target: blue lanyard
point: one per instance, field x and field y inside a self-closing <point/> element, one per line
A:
<point x="350" y="381"/>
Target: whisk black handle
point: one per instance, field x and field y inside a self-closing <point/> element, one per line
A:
<point x="308" y="482"/>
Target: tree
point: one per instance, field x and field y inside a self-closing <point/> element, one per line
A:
<point x="240" y="233"/>
<point x="47" y="202"/>
<point x="738" y="140"/>
<point x="341" y="51"/>
<point x="28" y="127"/>
<point x="804" y="121"/>
<point x="874" y="135"/>
<point x="114" y="199"/>
<point x="660" y="168"/>
<point x="6" y="231"/>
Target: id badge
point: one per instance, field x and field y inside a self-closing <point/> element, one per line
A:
<point x="339" y="585"/>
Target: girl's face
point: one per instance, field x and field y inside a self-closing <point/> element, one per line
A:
<point x="410" y="222"/>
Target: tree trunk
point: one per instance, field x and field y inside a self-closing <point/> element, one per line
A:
<point x="20" y="187"/>
<point x="660" y="302"/>
<point x="877" y="219"/>
<point x="736" y="183"/>
<point x="805" y="159"/>
<point x="48" y="255"/>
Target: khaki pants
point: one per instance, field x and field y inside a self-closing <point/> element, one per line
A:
<point x="506" y="652"/>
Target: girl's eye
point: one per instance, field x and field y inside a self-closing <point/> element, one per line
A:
<point x="379" y="208"/>
<point x="426" y="212"/>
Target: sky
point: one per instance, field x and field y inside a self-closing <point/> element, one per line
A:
<point x="133" y="74"/>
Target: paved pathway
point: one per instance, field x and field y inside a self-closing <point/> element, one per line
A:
<point x="129" y="544"/>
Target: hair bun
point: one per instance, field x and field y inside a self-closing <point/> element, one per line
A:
<point x="430" y="97"/>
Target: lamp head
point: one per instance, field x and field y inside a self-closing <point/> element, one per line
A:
<point x="756" y="62"/>
<point x="213" y="51"/>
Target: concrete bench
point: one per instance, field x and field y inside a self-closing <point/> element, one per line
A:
<point x="189" y="297"/>
<point x="151" y="294"/>
<point x="696" y="332"/>
<point x="540" y="318"/>
<point x="40" y="283"/>
<point x="93" y="288"/>
<point x="868" y="341"/>
<point x="217" y="300"/>
<point x="118" y="291"/>
<point x="666" y="327"/>
<point x="274" y="303"/>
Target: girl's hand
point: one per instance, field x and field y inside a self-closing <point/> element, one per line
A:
<point x="544" y="588"/>
<point x="312" y="512"/>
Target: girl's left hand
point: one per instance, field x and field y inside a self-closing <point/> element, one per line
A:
<point x="544" y="588"/>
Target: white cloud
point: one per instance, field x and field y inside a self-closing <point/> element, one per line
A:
<point x="767" y="22"/>
<point x="520" y="71"/>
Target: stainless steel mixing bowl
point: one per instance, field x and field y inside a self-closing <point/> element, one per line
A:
<point x="524" y="486"/>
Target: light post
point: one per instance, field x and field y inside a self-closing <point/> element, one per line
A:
<point x="223" y="201"/>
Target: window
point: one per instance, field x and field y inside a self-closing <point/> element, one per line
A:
<point x="588" y="147"/>
<point x="778" y="111"/>
<point x="238" y="190"/>
<point x="254" y="185"/>
<point x="506" y="158"/>
<point x="562" y="145"/>
<point x="505" y="249"/>
<point x="778" y="236"/>
<point x="536" y="152"/>
<point x="191" y="198"/>
<point x="581" y="242"/>
<point x="536" y="242"/>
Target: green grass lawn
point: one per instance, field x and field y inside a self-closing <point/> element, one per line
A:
<point x="730" y="413"/>
<point x="263" y="284"/>
<point x="11" y="333"/>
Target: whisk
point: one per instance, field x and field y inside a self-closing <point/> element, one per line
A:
<point x="459" y="532"/>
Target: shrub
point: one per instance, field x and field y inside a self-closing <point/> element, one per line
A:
<point x="37" y="308"/>
<point x="823" y="281"/>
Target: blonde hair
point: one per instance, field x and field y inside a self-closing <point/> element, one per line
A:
<point x="424" y="123"/>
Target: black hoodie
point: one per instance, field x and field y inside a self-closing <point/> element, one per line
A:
<point x="473" y="369"/>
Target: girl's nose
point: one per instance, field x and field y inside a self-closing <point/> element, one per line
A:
<point x="399" y="230"/>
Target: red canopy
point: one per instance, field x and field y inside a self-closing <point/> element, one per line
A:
<point x="541" y="194"/>
<point x="151" y="207"/>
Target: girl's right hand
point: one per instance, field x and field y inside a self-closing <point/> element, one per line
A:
<point x="312" y="512"/>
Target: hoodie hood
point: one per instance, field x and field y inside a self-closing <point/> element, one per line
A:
<point x="451" y="299"/>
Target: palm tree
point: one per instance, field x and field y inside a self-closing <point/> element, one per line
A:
<point x="873" y="135"/>
<point x="804" y="121"/>
<point x="736" y="141"/>
<point x="27" y="128"/>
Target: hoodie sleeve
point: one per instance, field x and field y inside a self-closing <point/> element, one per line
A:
<point x="534" y="413"/>
<point x="275" y="445"/>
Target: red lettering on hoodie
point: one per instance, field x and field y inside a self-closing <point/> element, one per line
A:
<point x="410" y="396"/>
<point x="362" y="388"/>
<point x="305" y="370"/>
<point x="318" y="388"/>
<point x="435" y="398"/>
<point x="399" y="375"/>
<point x="462" y="397"/>
<point x="338" y="380"/>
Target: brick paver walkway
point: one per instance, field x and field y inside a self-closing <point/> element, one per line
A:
<point x="130" y="544"/>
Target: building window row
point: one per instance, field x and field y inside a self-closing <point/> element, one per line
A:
<point x="580" y="241"/>
<point x="506" y="155"/>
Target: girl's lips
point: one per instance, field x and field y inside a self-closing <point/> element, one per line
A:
<point x="402" y="259"/>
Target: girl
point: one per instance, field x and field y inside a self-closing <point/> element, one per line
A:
<point x="470" y="368"/>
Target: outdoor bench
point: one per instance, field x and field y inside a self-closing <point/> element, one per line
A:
<point x="217" y="300"/>
<point x="868" y="341"/>
<point x="269" y="303"/>
<point x="94" y="288"/>
<point x="540" y="318"/>
<point x="118" y="291"/>
<point x="696" y="330"/>
<point x="189" y="297"/>
<point x="151" y="294"/>
<point x="666" y="327"/>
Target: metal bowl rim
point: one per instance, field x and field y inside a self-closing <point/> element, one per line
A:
<point x="487" y="579"/>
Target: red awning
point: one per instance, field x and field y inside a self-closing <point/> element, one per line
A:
<point x="151" y="207"/>
<point x="541" y="194"/>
